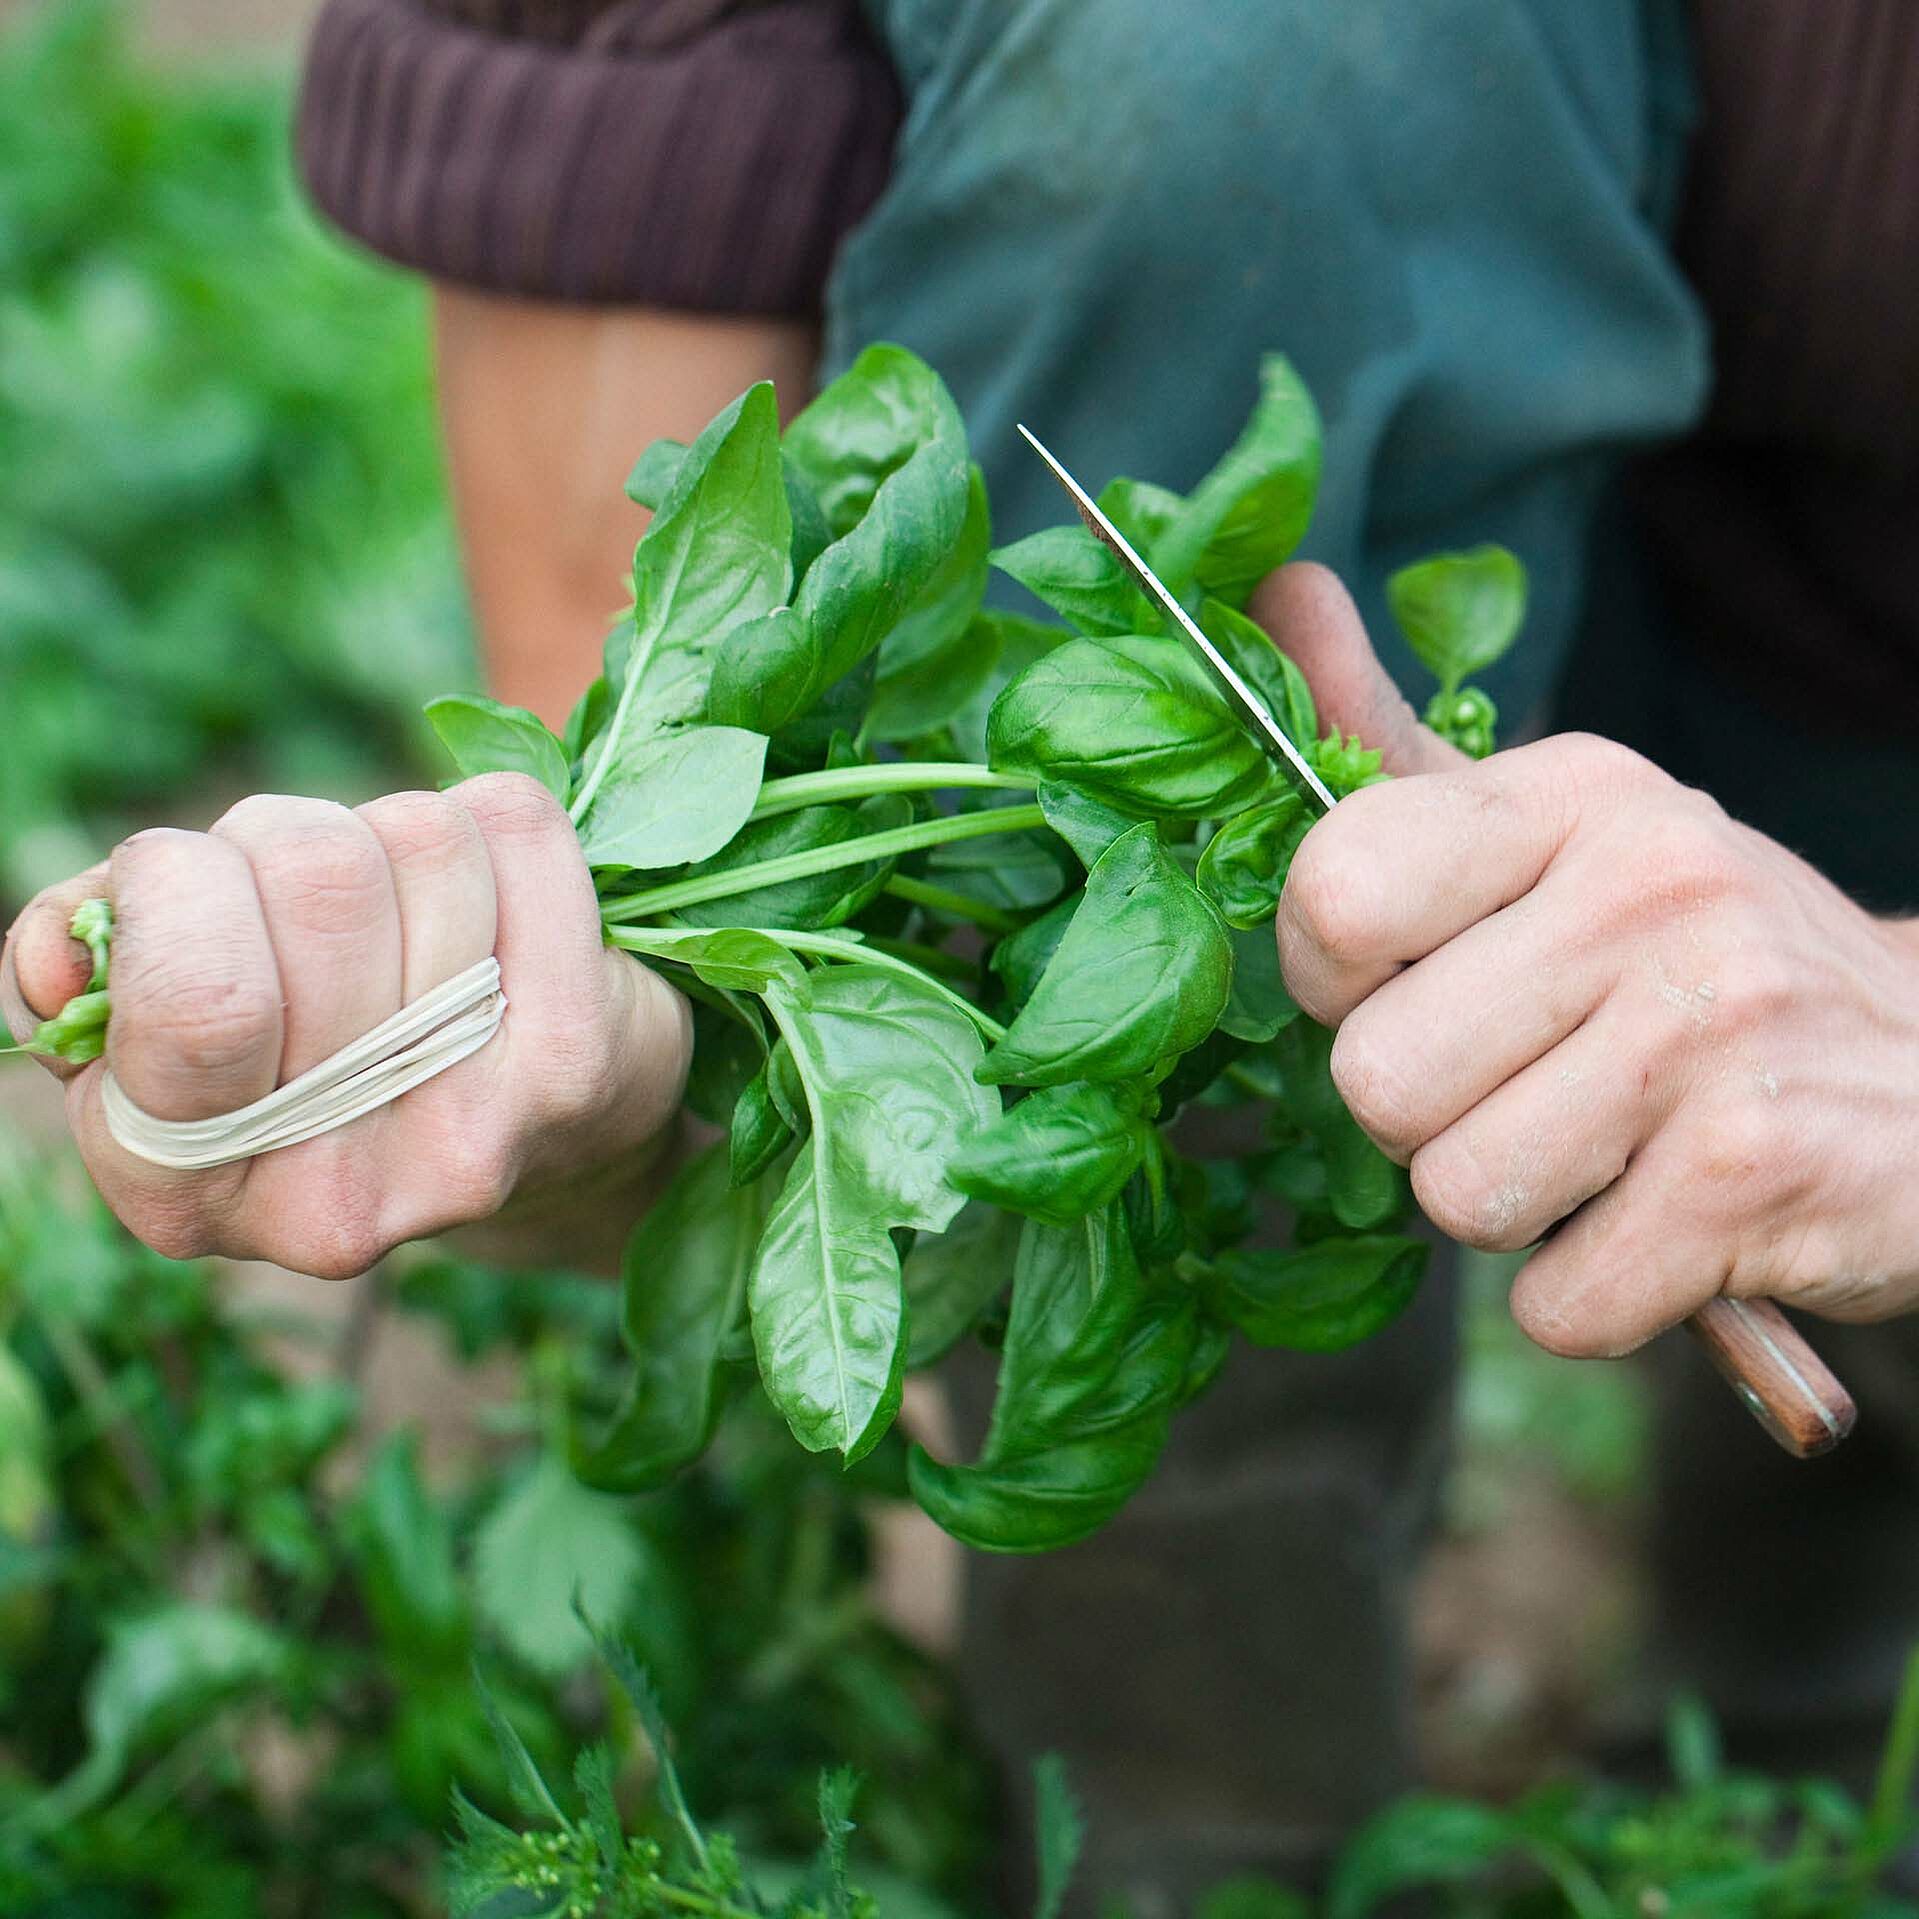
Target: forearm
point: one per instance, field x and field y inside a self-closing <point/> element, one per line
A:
<point x="544" y="409"/>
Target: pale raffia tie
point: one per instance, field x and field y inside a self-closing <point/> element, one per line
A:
<point x="419" y="1042"/>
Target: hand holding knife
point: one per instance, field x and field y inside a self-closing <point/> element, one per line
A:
<point x="1781" y="1380"/>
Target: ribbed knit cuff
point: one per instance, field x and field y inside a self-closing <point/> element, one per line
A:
<point x="715" y="176"/>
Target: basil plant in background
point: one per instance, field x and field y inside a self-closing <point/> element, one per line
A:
<point x="971" y="906"/>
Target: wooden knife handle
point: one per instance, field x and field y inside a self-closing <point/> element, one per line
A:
<point x="1787" y="1387"/>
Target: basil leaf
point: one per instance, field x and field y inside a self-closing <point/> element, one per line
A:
<point x="1243" y="869"/>
<point x="758" y="1132"/>
<point x="1021" y="958"/>
<point x="820" y="899"/>
<point x="1142" y="974"/>
<point x="1363" y="1187"/>
<point x="883" y="451"/>
<point x="731" y="959"/>
<point x="1460" y="611"/>
<point x="1249" y="514"/>
<point x="485" y="737"/>
<point x="1254" y="656"/>
<point x="683" y="1283"/>
<point x="654" y="473"/>
<point x="1063" y="1152"/>
<point x="1325" y="1297"/>
<point x="1136" y="723"/>
<point x="886" y="1065"/>
<point x="1015" y="643"/>
<point x="1015" y="872"/>
<point x="1080" y="579"/>
<point x="939" y="654"/>
<point x="718" y="553"/>
<point x="952" y="1277"/>
<point x="676" y="798"/>
<point x="1142" y="511"/>
<point x="1090" y="1371"/>
<point x="1087" y="825"/>
<point x="1259" y="1008"/>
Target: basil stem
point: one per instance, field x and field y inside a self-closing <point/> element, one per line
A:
<point x="823" y="859"/>
<point x="894" y="776"/>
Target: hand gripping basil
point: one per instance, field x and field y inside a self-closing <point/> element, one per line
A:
<point x="902" y="852"/>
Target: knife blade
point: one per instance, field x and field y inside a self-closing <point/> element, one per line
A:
<point x="1109" y="536"/>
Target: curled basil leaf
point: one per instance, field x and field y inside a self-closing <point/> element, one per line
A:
<point x="1142" y="973"/>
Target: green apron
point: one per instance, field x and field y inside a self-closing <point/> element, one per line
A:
<point x="1448" y="212"/>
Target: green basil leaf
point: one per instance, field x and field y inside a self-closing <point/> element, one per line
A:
<point x="1460" y="611"/>
<point x="887" y="1068"/>
<point x="732" y="959"/>
<point x="1249" y="514"/>
<point x="1325" y="1297"/>
<point x="1142" y="511"/>
<point x="1090" y="1370"/>
<point x="1245" y="864"/>
<point x="883" y="451"/>
<point x="1079" y="579"/>
<point x="1134" y="722"/>
<point x="1141" y="975"/>
<point x="765" y="671"/>
<point x="1061" y="1153"/>
<point x="1260" y="1007"/>
<point x="654" y="473"/>
<point x="1021" y="958"/>
<point x="1254" y="656"/>
<point x="820" y="899"/>
<point x="1363" y="1187"/>
<point x="717" y="554"/>
<point x="683" y="1286"/>
<point x="940" y="653"/>
<point x="952" y="1277"/>
<point x="485" y="737"/>
<point x="676" y="798"/>
<point x="758" y="1132"/>
<point x="1087" y="825"/>
<point x="1015" y="872"/>
<point x="1015" y="643"/>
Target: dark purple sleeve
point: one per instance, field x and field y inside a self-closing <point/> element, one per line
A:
<point x="680" y="154"/>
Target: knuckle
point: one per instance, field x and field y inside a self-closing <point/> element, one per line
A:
<point x="174" y="1232"/>
<point x="1731" y="1155"/>
<point x="423" y="828"/>
<point x="1327" y="898"/>
<point x="1374" y="1087"/>
<point x="512" y="804"/>
<point x="334" y="1239"/>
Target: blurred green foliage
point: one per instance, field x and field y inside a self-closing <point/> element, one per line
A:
<point x="225" y="561"/>
<point x="238" y="1631"/>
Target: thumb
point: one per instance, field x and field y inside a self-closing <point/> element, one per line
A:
<point x="1312" y="620"/>
<point x="42" y="966"/>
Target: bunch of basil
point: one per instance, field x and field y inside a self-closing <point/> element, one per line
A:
<point x="970" y="906"/>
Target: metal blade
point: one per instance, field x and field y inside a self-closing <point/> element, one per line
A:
<point x="1149" y="583"/>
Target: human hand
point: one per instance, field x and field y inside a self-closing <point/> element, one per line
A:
<point x="1588" y="1009"/>
<point x="245" y="955"/>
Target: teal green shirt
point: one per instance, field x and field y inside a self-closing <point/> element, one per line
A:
<point x="1448" y="212"/>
